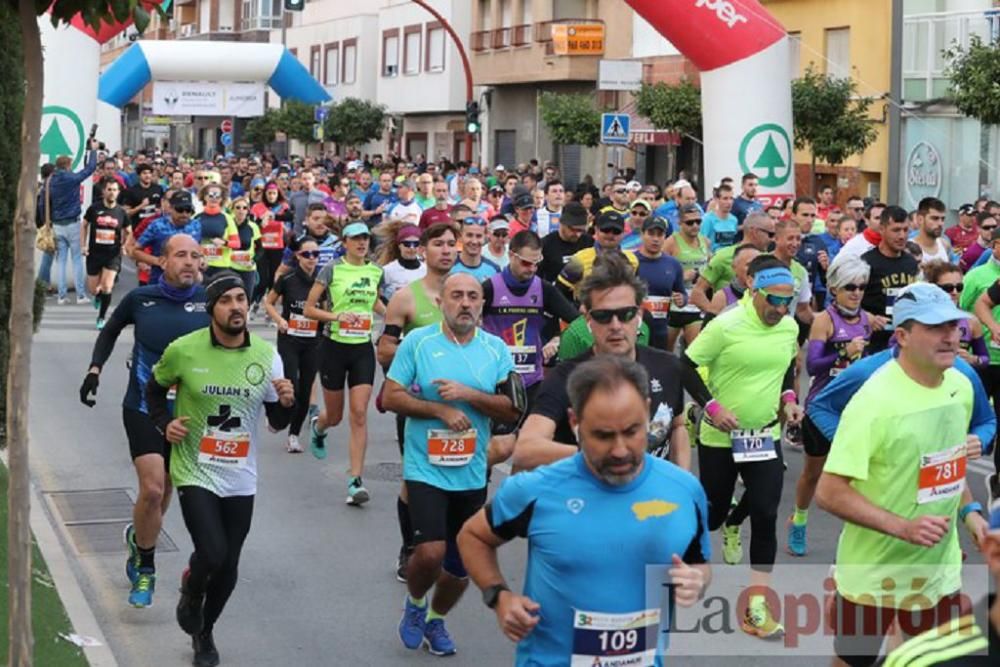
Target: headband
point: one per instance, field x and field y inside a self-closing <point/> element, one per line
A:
<point x="775" y="276"/>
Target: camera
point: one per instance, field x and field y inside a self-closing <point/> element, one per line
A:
<point x="93" y="134"/>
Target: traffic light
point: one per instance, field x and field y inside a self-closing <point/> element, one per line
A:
<point x="472" y="117"/>
<point x="294" y="5"/>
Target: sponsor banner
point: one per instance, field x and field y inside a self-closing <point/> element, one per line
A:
<point x="206" y="98"/>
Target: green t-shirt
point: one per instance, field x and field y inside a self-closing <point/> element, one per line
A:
<point x="424" y="311"/>
<point x="353" y="289"/>
<point x="577" y="339"/>
<point x="888" y="431"/>
<point x="719" y="271"/>
<point x="977" y="281"/>
<point x="746" y="361"/>
<point x="221" y="391"/>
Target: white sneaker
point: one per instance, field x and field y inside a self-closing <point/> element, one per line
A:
<point x="62" y="301"/>
<point x="293" y="446"/>
<point x="82" y="300"/>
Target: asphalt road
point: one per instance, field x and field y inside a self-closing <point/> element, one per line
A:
<point x="316" y="583"/>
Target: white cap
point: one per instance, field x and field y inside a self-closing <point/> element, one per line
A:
<point x="500" y="167"/>
<point x="633" y="185"/>
<point x="682" y="183"/>
<point x="354" y="164"/>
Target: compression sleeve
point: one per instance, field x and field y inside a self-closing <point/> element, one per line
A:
<point x="692" y="382"/>
<point x="818" y="363"/>
<point x="980" y="351"/>
<point x="994" y="290"/>
<point x="558" y="305"/>
<point x="788" y="382"/>
<point x="120" y="318"/>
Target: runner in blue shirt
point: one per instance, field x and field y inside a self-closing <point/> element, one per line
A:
<point x="449" y="380"/>
<point x="594" y="523"/>
<point x="721" y="227"/>
<point x="160" y="230"/>
<point x="664" y="277"/>
<point x="470" y="260"/>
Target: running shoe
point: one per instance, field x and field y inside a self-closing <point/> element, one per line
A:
<point x="759" y="622"/>
<point x="357" y="494"/>
<point x="436" y="638"/>
<point x="132" y="562"/>
<point x="293" y="446"/>
<point x="732" y="545"/>
<point x="100" y="323"/>
<point x="402" y="561"/>
<point x="412" y="625"/>
<point x="796" y="539"/>
<point x="141" y="594"/>
<point x="62" y="301"/>
<point x="317" y="444"/>
<point x="190" y="608"/>
<point x="80" y="300"/>
<point x="205" y="653"/>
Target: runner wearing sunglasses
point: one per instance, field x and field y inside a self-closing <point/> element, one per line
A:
<point x="218" y="230"/>
<point x="610" y="230"/>
<point x="972" y="347"/>
<point x="750" y="353"/>
<point x="401" y="260"/>
<point x="691" y="249"/>
<point x="758" y="231"/>
<point x="350" y="286"/>
<point x="498" y="235"/>
<point x="298" y="336"/>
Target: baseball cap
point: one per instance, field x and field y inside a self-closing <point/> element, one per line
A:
<point x="497" y="190"/>
<point x="353" y="165"/>
<point x="655" y="222"/>
<point x="573" y="215"/>
<point x="524" y="200"/>
<point x="258" y="183"/>
<point x="500" y="167"/>
<point x="609" y="220"/>
<point x="967" y="209"/>
<point x="641" y="202"/>
<point x="633" y="185"/>
<point x="682" y="183"/>
<point x="927" y="304"/>
<point x="181" y="198"/>
<point x="406" y="232"/>
<point x="497" y="223"/>
<point x="358" y="229"/>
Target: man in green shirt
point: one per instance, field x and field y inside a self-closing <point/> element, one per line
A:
<point x="895" y="475"/>
<point x="758" y="232"/>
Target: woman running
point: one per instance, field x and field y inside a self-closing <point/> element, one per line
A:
<point x="400" y="260"/>
<point x="972" y="342"/>
<point x="298" y="336"/>
<point x="218" y="230"/>
<point x="243" y="247"/>
<point x="351" y="286"/>
<point x="274" y="216"/>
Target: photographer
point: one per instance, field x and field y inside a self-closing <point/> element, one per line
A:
<point x="63" y="195"/>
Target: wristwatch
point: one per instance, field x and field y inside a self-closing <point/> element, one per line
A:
<point x="492" y="594"/>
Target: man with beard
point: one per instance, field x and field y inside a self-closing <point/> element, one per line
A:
<point x="449" y="380"/>
<point x="892" y="270"/>
<point x="160" y="314"/>
<point x="224" y="377"/>
<point x="609" y="494"/>
<point x="931" y="214"/>
<point x="142" y="200"/>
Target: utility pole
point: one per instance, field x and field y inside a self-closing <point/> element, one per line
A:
<point x="469" y="98"/>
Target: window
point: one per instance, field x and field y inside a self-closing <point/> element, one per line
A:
<point x="485" y="14"/>
<point x="390" y="52"/>
<point x="314" y="62"/>
<point x="349" y="61"/>
<point x="838" y="52"/>
<point x="435" y="48"/>
<point x="795" y="53"/>
<point x="260" y="14"/>
<point x="411" y="49"/>
<point x="526" y="15"/>
<point x="332" y="57"/>
<point x="506" y="13"/>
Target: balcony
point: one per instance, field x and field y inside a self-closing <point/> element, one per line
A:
<point x="530" y="53"/>
<point x="925" y="36"/>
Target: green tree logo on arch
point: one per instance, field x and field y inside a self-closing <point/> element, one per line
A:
<point x="62" y="134"/>
<point x="766" y="150"/>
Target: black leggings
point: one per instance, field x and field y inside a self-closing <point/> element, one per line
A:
<point x="267" y="266"/>
<point x="763" y="481"/>
<point x="301" y="360"/>
<point x="218" y="527"/>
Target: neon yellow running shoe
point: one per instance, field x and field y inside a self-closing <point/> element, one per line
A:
<point x="759" y="622"/>
<point x="732" y="545"/>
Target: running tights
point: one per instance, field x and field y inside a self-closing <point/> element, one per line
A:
<point x="218" y="527"/>
<point x="301" y="361"/>
<point x="763" y="481"/>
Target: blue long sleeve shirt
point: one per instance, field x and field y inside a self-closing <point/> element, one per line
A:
<point x="64" y="190"/>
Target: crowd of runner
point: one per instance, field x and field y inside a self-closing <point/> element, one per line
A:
<point x="600" y="339"/>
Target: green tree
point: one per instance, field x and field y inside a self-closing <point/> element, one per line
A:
<point x="260" y="131"/>
<point x="676" y="108"/>
<point x="571" y="118"/>
<point x="352" y="122"/>
<point x="975" y="79"/>
<point x="830" y="119"/>
<point x="296" y="119"/>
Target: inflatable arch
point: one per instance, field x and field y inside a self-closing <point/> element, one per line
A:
<point x="746" y="97"/>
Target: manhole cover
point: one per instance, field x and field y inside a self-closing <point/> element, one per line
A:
<point x="384" y="472"/>
<point x="95" y="519"/>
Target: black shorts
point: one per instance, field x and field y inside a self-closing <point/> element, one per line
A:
<point x="98" y="261"/>
<point x="859" y="630"/>
<point x="437" y="515"/>
<point x="679" y="320"/>
<point x="803" y="330"/>
<point x="143" y="438"/>
<point x="813" y="441"/>
<point x="339" y="362"/>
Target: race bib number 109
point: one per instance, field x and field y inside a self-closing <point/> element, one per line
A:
<point x="615" y="640"/>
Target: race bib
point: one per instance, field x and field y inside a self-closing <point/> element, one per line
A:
<point x="211" y="251"/>
<point x="271" y="240"/>
<point x="226" y="450"/>
<point x="753" y="445"/>
<point x="104" y="236"/>
<point x="615" y="640"/>
<point x="942" y="474"/>
<point x="890" y="299"/>
<point x="302" y="327"/>
<point x="242" y="259"/>
<point x="360" y="328"/>
<point x="525" y="358"/>
<point x="450" y="448"/>
<point x="658" y="307"/>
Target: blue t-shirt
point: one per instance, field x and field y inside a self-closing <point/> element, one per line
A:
<point x="159" y="232"/>
<point x="565" y="511"/>
<point x="428" y="354"/>
<point x="486" y="269"/>
<point x="720" y="232"/>
<point x="742" y="207"/>
<point x="825" y="408"/>
<point x="664" y="276"/>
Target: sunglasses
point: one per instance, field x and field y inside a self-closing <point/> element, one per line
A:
<point x="951" y="287"/>
<point x="769" y="234"/>
<point x="213" y="195"/>
<point x="501" y="234"/>
<point x="611" y="230"/>
<point x="184" y="209"/>
<point x="692" y="223"/>
<point x="619" y="192"/>
<point x="242" y="208"/>
<point x="988" y="227"/>
<point x="309" y="254"/>
<point x="624" y="315"/>
<point x="778" y="301"/>
<point x="642" y="213"/>
<point x="410" y="244"/>
<point x="473" y="220"/>
<point x="526" y="263"/>
<point x="851" y="287"/>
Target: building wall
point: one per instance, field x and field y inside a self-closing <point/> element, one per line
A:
<point x="870" y="52"/>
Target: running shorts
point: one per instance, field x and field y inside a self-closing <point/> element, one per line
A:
<point x="143" y="438"/>
<point x="339" y="362"/>
<point x="437" y="515"/>
<point x="97" y="262"/>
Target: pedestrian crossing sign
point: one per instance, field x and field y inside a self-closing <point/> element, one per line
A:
<point x="615" y="129"/>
